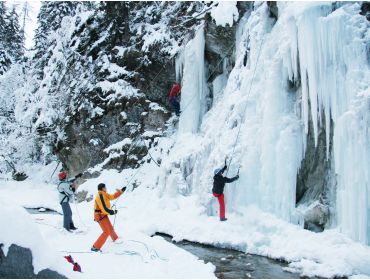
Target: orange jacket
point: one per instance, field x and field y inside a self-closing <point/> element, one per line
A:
<point x="102" y="203"/>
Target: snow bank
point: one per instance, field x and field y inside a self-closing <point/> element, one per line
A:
<point x="142" y="255"/>
<point x="18" y="229"/>
<point x="225" y="12"/>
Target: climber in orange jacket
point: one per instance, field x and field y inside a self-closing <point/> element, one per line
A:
<point x="101" y="212"/>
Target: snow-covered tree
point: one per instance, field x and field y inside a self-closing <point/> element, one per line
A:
<point x="2" y="20"/>
<point x="49" y="20"/>
<point x="14" y="40"/>
<point x="4" y="56"/>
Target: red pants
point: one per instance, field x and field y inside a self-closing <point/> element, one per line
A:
<point x="221" y="201"/>
<point x="108" y="230"/>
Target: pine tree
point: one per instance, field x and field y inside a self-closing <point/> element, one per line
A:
<point x="2" y="20"/>
<point x="5" y="60"/>
<point x="25" y="17"/>
<point x="49" y="19"/>
<point x="14" y="42"/>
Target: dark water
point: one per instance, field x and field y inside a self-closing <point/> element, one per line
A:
<point x="233" y="264"/>
<point x="37" y="211"/>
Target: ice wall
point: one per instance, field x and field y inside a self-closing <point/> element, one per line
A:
<point x="193" y="93"/>
<point x="311" y="65"/>
<point x="335" y="82"/>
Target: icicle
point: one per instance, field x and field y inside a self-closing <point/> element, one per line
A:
<point x="179" y="66"/>
<point x="193" y="94"/>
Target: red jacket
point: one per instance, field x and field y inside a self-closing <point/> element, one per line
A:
<point x="176" y="88"/>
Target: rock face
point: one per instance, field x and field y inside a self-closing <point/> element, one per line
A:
<point x="365" y="10"/>
<point x="104" y="115"/>
<point x="18" y="264"/>
<point x="314" y="180"/>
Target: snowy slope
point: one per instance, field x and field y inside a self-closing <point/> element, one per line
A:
<point x="20" y="230"/>
<point x="140" y="256"/>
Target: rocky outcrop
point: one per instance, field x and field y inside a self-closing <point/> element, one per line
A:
<point x="365" y="10"/>
<point x="314" y="179"/>
<point x="316" y="216"/>
<point x="151" y="74"/>
<point x="273" y="9"/>
<point x="18" y="264"/>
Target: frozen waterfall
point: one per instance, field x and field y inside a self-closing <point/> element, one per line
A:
<point x="312" y="68"/>
<point x="193" y="93"/>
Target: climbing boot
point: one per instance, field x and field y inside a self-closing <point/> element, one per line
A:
<point x="95" y="249"/>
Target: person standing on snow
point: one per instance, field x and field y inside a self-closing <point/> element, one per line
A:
<point x="66" y="189"/>
<point x="175" y="91"/>
<point x="101" y="212"/>
<point x="218" y="188"/>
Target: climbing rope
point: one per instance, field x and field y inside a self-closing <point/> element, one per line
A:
<point x="51" y="177"/>
<point x="217" y="65"/>
<point x="114" y="207"/>
<point x="245" y="107"/>
<point x="142" y="140"/>
<point x="152" y="252"/>
<point x="78" y="214"/>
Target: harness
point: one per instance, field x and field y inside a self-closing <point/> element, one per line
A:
<point x="105" y="208"/>
<point x="63" y="192"/>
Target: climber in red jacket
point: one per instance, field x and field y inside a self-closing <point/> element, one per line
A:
<point x="175" y="91"/>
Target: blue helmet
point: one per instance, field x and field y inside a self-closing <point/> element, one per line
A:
<point x="217" y="170"/>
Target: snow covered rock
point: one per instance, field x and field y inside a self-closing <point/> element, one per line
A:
<point x="24" y="252"/>
<point x="18" y="264"/>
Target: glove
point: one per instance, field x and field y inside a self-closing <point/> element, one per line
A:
<point x="123" y="189"/>
<point x="78" y="175"/>
<point x="113" y="212"/>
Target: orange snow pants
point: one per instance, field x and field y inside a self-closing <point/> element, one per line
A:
<point x="108" y="230"/>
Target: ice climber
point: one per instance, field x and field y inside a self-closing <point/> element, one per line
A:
<point x="218" y="188"/>
<point x="66" y="189"/>
<point x="174" y="93"/>
<point x="101" y="212"/>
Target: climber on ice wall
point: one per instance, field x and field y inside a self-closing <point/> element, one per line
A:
<point x="219" y="182"/>
<point x="101" y="212"/>
<point x="174" y="93"/>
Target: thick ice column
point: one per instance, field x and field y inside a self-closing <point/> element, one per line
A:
<point x="333" y="71"/>
<point x="193" y="93"/>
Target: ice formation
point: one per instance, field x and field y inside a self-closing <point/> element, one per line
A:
<point x="309" y="66"/>
<point x="193" y="93"/>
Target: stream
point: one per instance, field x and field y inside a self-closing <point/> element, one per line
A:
<point x="233" y="264"/>
<point x="230" y="264"/>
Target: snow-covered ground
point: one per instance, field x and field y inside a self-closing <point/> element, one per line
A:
<point x="146" y="210"/>
<point x="139" y="256"/>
